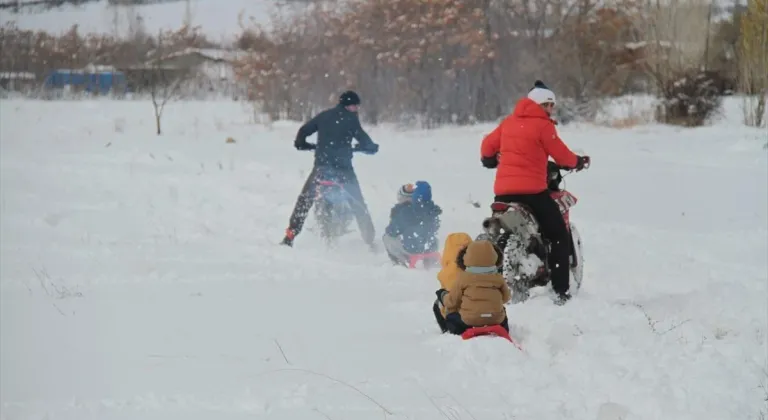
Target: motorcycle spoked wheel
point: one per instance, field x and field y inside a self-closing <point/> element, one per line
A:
<point x="577" y="272"/>
<point x="521" y="277"/>
<point x="333" y="220"/>
<point x="514" y="252"/>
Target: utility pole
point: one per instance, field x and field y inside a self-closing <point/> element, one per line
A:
<point x="706" y="42"/>
<point x="187" y="14"/>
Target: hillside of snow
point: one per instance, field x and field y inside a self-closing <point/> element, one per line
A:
<point x="219" y="19"/>
<point x="140" y="277"/>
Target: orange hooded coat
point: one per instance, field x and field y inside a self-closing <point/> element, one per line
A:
<point x="524" y="141"/>
<point x="453" y="244"/>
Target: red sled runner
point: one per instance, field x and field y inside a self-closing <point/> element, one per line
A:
<point x="491" y="330"/>
<point x="428" y="259"/>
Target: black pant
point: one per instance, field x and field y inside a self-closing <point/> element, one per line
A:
<point x="455" y="325"/>
<point x="439" y="317"/>
<point x="306" y="199"/>
<point x="552" y="225"/>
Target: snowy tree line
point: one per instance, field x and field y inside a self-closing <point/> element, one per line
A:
<point x="461" y="61"/>
<point x="38" y="52"/>
<point x="142" y="54"/>
<point x="25" y="6"/>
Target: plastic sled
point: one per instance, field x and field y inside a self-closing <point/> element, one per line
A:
<point x="427" y="258"/>
<point x="492" y="330"/>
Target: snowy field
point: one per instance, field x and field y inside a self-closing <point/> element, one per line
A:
<point x="141" y="277"/>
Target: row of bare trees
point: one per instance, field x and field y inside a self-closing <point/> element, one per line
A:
<point x="438" y="60"/>
<point x="462" y="61"/>
<point x="38" y="52"/>
<point x="22" y="6"/>
<point x="146" y="58"/>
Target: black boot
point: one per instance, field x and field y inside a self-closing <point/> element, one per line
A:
<point x="439" y="317"/>
<point x="562" y="298"/>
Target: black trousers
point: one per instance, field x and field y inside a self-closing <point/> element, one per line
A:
<point x="547" y="213"/>
<point x="453" y="323"/>
<point x="306" y="199"/>
<point x="439" y="317"/>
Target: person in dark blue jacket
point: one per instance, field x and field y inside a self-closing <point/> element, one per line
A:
<point x="413" y="225"/>
<point x="335" y="128"/>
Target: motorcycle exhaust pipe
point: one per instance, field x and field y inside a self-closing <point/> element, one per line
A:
<point x="491" y="226"/>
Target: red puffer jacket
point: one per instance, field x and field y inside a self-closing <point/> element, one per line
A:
<point x="524" y="141"/>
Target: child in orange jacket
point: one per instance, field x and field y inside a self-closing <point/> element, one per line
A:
<point x="452" y="266"/>
<point x="454" y="244"/>
<point x="478" y="295"/>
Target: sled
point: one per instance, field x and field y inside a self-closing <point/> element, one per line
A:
<point x="427" y="259"/>
<point x="490" y="330"/>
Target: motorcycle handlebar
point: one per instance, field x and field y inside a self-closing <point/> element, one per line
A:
<point x="569" y="169"/>
<point x="313" y="146"/>
<point x="564" y="168"/>
<point x="559" y="167"/>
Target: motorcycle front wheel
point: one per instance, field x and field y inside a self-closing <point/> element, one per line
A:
<point x="577" y="261"/>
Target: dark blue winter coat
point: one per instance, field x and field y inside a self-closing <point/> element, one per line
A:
<point x="335" y="128"/>
<point x="417" y="222"/>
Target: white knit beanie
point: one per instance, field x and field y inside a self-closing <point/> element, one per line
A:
<point x="541" y="94"/>
<point x="404" y="193"/>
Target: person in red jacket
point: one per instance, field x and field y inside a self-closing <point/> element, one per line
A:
<point x="519" y="148"/>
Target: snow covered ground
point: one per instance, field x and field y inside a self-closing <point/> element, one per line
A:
<point x="141" y="277"/>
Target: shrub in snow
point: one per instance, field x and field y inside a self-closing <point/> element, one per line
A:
<point x="690" y="98"/>
<point x="577" y="110"/>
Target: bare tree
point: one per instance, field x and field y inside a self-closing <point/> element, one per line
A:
<point x="676" y="36"/>
<point x="591" y="40"/>
<point x="753" y="62"/>
<point x="164" y="78"/>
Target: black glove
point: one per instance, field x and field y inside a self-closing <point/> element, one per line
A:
<point x="371" y="150"/>
<point x="304" y="146"/>
<point x="490" y="162"/>
<point x="582" y="162"/>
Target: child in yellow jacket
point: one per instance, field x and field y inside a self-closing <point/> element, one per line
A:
<point x="455" y="243"/>
<point x="478" y="295"/>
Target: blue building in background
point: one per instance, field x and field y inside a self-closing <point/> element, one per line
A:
<point x="94" y="80"/>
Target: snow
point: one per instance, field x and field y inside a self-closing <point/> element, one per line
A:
<point x="140" y="276"/>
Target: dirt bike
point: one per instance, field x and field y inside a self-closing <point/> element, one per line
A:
<point x="333" y="204"/>
<point x="513" y="229"/>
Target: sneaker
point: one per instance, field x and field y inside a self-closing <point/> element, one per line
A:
<point x="288" y="239"/>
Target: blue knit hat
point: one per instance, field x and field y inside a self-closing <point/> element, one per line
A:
<point x="422" y="191"/>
